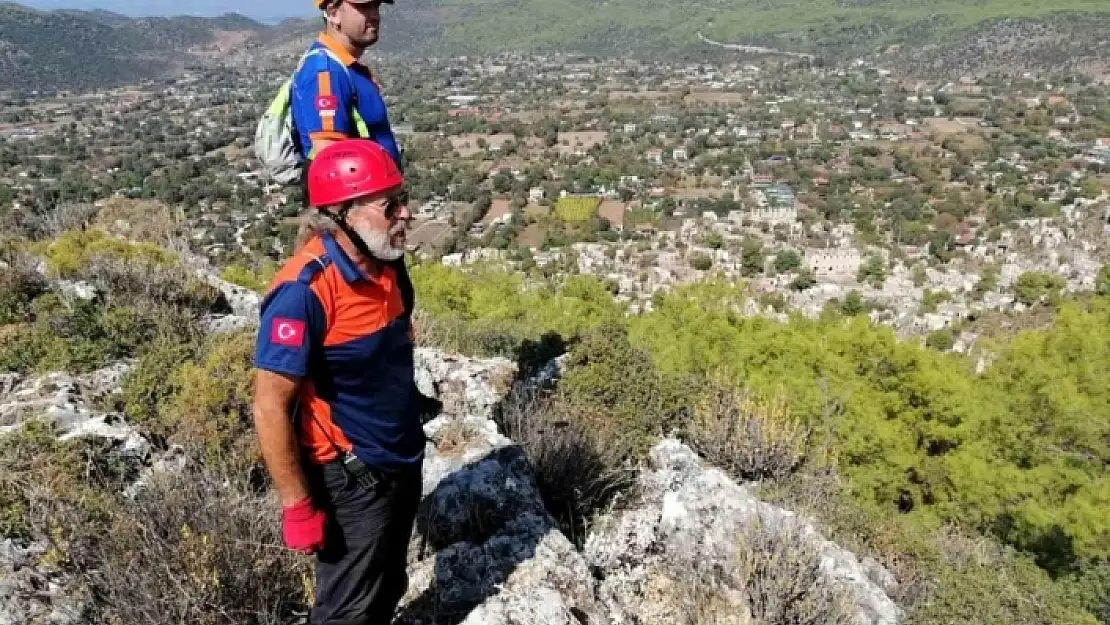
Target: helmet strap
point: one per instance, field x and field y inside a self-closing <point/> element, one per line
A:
<point x="340" y="220"/>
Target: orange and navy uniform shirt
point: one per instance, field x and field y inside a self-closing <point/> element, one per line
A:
<point x="323" y="94"/>
<point x="346" y="335"/>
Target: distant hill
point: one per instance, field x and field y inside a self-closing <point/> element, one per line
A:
<point x="936" y="36"/>
<point x="86" y="49"/>
<point x="69" y="49"/>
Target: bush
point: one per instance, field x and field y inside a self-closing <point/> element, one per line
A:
<point x="747" y="436"/>
<point x="39" y="473"/>
<point x="579" y="474"/>
<point x="619" y="392"/>
<point x="780" y="570"/>
<point x="249" y="278"/>
<point x="945" y="574"/>
<point x="151" y="383"/>
<point x="701" y="262"/>
<point x="20" y="285"/>
<point x="68" y="255"/>
<point x="194" y="546"/>
<point x="778" y="573"/>
<point x="79" y="336"/>
<point x="208" y="410"/>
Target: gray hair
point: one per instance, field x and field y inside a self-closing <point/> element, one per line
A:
<point x="313" y="224"/>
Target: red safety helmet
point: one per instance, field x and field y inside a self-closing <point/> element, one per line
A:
<point x="349" y="169"/>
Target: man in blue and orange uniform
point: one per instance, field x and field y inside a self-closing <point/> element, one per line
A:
<point x="333" y="96"/>
<point x="333" y="403"/>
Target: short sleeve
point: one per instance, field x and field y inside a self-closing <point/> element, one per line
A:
<point x="321" y="100"/>
<point x="291" y="328"/>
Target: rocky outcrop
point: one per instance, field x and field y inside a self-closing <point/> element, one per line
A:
<point x="31" y="589"/>
<point x="467" y="386"/>
<point x="65" y="401"/>
<point x="693" y="522"/>
<point x="31" y="592"/>
<point x="487" y="551"/>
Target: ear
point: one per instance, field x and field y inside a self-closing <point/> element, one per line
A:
<point x="331" y="14"/>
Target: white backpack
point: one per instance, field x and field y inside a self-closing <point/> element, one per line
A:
<point x="274" y="137"/>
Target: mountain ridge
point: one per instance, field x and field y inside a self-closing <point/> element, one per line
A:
<point x="941" y="36"/>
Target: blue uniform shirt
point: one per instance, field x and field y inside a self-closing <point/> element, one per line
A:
<point x="324" y="93"/>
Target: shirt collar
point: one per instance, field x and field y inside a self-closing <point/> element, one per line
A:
<point x="348" y="268"/>
<point x="340" y="51"/>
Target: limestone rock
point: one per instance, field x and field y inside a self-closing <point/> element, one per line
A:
<point x="221" y="324"/>
<point x="64" y="400"/>
<point x="77" y="290"/>
<point x="31" y="592"/>
<point x="466" y="386"/>
<point x="486" y="547"/>
<point x="695" y="518"/>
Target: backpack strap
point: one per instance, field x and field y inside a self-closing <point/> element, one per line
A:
<point x="360" y="125"/>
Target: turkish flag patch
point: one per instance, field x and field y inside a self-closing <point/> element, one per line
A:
<point x="326" y="103"/>
<point x="287" y="332"/>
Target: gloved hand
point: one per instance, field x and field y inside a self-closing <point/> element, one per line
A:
<point x="302" y="526"/>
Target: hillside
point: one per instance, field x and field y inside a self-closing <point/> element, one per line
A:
<point x="626" y="26"/>
<point x="90" y="49"/>
<point x="102" y="48"/>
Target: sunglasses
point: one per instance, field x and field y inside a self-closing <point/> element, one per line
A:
<point x="394" y="205"/>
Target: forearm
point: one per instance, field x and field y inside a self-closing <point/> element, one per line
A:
<point x="278" y="442"/>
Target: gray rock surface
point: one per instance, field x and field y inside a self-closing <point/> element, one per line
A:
<point x="466" y="386"/>
<point x="64" y="400"/>
<point x="34" y="592"/>
<point x="694" y="518"/>
<point x="243" y="301"/>
<point x="485" y="546"/>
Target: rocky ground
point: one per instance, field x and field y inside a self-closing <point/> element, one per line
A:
<point x="485" y="548"/>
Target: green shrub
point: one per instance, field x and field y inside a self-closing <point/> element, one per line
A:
<point x="209" y="408"/>
<point x="69" y="254"/>
<point x="79" y="336"/>
<point x="152" y="382"/>
<point x="255" y="280"/>
<point x="620" y="391"/>
<point x="945" y="575"/>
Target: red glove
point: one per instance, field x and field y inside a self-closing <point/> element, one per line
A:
<point x="302" y="526"/>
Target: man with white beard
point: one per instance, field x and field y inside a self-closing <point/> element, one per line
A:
<point x="334" y="392"/>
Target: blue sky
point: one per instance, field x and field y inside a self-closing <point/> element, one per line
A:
<point x="258" y="9"/>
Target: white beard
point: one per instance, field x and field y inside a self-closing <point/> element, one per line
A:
<point x="378" y="242"/>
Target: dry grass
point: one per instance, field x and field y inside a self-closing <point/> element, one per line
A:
<point x="192" y="547"/>
<point x="778" y="568"/>
<point x="749" y="437"/>
<point x="454" y="437"/>
<point x="773" y="578"/>
<point x="578" y="473"/>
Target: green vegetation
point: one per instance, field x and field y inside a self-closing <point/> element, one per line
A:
<point x="1035" y="287"/>
<point x="1015" y="456"/>
<point x="648" y="26"/>
<point x="139" y="298"/>
<point x="573" y="209"/>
